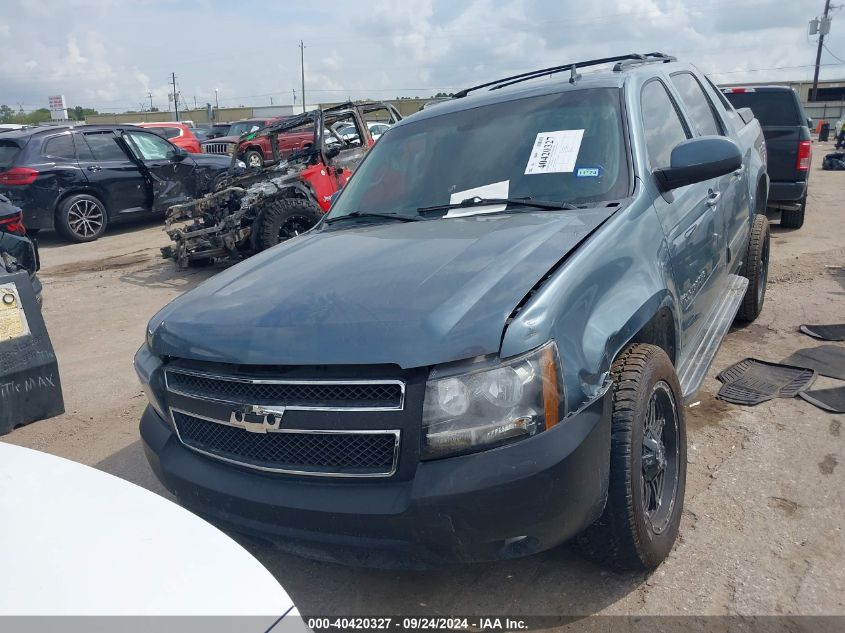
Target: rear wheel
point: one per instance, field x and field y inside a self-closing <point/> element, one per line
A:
<point x="794" y="219"/>
<point x="648" y="462"/>
<point x="283" y="219"/>
<point x="81" y="218"/>
<point x="755" y="268"/>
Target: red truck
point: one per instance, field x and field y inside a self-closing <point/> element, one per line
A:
<point x="255" y="152"/>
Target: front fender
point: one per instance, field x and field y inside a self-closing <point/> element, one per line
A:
<point x="599" y="299"/>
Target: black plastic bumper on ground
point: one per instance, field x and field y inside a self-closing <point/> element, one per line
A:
<point x="507" y="502"/>
<point x="786" y="193"/>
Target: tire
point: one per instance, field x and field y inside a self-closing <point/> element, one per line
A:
<point x="755" y="268"/>
<point x="81" y="218"/>
<point x="253" y="159"/>
<point x="794" y="219"/>
<point x="285" y="218"/>
<point x="637" y="532"/>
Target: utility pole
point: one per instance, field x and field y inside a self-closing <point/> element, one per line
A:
<point x="293" y="90"/>
<point x="822" y="30"/>
<point x="195" y="102"/>
<point x="175" y="96"/>
<point x="302" y="65"/>
<point x="150" y="95"/>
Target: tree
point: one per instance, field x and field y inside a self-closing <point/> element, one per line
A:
<point x="78" y="113"/>
<point x="7" y="115"/>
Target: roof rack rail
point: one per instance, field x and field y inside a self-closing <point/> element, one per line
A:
<point x="647" y="58"/>
<point x="636" y="58"/>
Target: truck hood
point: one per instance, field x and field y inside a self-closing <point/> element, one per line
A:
<point x="222" y="139"/>
<point x="412" y="294"/>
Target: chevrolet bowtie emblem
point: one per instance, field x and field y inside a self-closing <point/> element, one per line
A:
<point x="257" y="419"/>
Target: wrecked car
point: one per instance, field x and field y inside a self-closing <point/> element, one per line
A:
<point x="486" y="347"/>
<point x="78" y="180"/>
<point x="257" y="209"/>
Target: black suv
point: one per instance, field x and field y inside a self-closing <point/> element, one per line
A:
<point x="79" y="179"/>
<point x="784" y="123"/>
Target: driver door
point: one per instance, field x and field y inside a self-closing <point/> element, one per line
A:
<point x="171" y="171"/>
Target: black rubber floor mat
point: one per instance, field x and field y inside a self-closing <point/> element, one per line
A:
<point x="832" y="400"/>
<point x="753" y="381"/>
<point x="835" y="332"/>
<point x="828" y="360"/>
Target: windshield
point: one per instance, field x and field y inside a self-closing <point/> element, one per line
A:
<point x="563" y="147"/>
<point x="245" y="126"/>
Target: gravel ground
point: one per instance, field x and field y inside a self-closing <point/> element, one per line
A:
<point x="762" y="531"/>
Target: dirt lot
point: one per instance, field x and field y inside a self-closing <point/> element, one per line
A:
<point x="763" y="526"/>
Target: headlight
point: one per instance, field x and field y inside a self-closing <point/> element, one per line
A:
<point x="478" y="406"/>
<point x="241" y="164"/>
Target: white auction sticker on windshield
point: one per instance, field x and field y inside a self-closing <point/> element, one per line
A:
<point x="554" y="152"/>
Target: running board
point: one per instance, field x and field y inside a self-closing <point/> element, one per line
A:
<point x="695" y="363"/>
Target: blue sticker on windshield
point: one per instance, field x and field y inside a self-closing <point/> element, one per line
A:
<point x="589" y="172"/>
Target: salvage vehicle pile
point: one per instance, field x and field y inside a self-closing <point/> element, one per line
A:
<point x="254" y="210"/>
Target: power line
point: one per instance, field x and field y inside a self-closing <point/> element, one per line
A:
<point x="832" y="55"/>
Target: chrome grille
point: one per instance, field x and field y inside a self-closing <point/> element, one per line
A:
<point x="368" y="395"/>
<point x="218" y="148"/>
<point x="328" y="453"/>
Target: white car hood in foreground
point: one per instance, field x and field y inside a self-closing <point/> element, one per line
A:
<point x="78" y="541"/>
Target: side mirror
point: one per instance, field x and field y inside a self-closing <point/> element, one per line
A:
<point x="332" y="151"/>
<point x="699" y="159"/>
<point x="179" y="154"/>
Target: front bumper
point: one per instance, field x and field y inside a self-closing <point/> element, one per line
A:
<point x="502" y="503"/>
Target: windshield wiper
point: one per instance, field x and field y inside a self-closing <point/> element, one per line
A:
<point x="369" y="214"/>
<point x="484" y="202"/>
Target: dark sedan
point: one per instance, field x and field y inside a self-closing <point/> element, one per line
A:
<point x="80" y="179"/>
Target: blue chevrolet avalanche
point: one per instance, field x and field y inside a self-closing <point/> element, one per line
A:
<point x="486" y="346"/>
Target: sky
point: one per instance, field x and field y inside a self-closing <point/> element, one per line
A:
<point x="113" y="54"/>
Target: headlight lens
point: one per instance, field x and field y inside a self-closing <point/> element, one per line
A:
<point x="241" y="164"/>
<point x="478" y="406"/>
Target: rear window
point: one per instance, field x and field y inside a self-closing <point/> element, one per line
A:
<point x="168" y="132"/>
<point x="8" y="152"/>
<point x="59" y="147"/>
<point x="770" y="108"/>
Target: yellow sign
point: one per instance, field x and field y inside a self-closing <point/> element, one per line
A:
<point x="12" y="317"/>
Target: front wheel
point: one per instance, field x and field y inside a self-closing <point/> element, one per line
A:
<point x="253" y="159"/>
<point x="648" y="464"/>
<point x="283" y="219"/>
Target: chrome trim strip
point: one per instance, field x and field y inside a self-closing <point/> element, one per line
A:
<point x="395" y="432"/>
<point x="256" y="381"/>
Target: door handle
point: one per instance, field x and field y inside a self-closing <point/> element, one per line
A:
<point x="713" y="198"/>
<point x="93" y="168"/>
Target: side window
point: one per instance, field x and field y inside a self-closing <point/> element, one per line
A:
<point x="103" y="146"/>
<point x="730" y="112"/>
<point x="150" y="147"/>
<point x="661" y="124"/>
<point x="697" y="103"/>
<point x="59" y="147"/>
